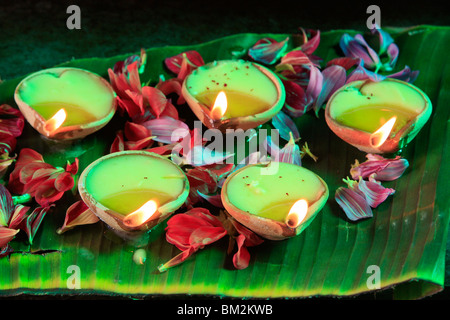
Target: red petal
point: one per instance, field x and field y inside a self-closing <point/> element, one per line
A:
<point x="296" y="100"/>
<point x="241" y="258"/>
<point x="155" y="99"/>
<point x="346" y="62"/>
<point x="118" y="143"/>
<point x="64" y="182"/>
<point x="177" y="259"/>
<point x="129" y="106"/>
<point x="174" y="63"/>
<point x="34" y="220"/>
<point x="18" y="216"/>
<point x="13" y="127"/>
<point x="8" y="110"/>
<point x="134" y="131"/>
<point x="310" y="45"/>
<point x="47" y="194"/>
<point x="251" y="238"/>
<point x="169" y="111"/>
<point x="206" y="235"/>
<point x="215" y="200"/>
<point x="73" y="168"/>
<point x="170" y="86"/>
<point x="77" y="214"/>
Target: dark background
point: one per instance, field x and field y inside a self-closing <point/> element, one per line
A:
<point x="33" y="34"/>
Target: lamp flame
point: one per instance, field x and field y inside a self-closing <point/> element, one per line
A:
<point x="297" y="213"/>
<point x="56" y="121"/>
<point x="141" y="215"/>
<point x="380" y="136"/>
<point x="220" y="106"/>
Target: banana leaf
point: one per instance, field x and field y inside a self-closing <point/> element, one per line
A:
<point x="406" y="238"/>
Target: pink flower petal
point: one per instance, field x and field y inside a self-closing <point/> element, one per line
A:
<point x="383" y="168"/>
<point x="6" y="235"/>
<point x="374" y="192"/>
<point x="334" y="77"/>
<point x="295" y="58"/>
<point x="164" y="127"/>
<point x="241" y="258"/>
<point x="310" y="45"/>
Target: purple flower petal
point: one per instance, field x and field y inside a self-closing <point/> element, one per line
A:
<point x="392" y="52"/>
<point x="361" y="73"/>
<point x="373" y="190"/>
<point x="385" y="39"/>
<point x="334" y="77"/>
<point x="354" y="203"/>
<point x="405" y="75"/>
<point x="290" y="153"/>
<point x="284" y="124"/>
<point x="315" y="84"/>
<point x="357" y="47"/>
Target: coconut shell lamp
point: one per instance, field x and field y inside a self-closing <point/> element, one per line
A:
<point x="65" y="103"/>
<point x="378" y="117"/>
<point x="233" y="94"/>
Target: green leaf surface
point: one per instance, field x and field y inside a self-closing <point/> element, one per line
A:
<point x="406" y="238"/>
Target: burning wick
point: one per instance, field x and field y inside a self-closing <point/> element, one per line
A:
<point x="379" y="137"/>
<point x="220" y="106"/>
<point x="141" y="215"/>
<point x="56" y="121"/>
<point x="297" y="213"/>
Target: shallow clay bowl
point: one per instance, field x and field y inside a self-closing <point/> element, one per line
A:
<point x="203" y="112"/>
<point x="114" y="219"/>
<point x="362" y="139"/>
<point x="65" y="132"/>
<point x="266" y="227"/>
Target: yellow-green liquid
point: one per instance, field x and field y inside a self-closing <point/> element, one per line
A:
<point x="371" y="118"/>
<point x="128" y="201"/>
<point x="75" y="115"/>
<point x="277" y="211"/>
<point x="239" y="104"/>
